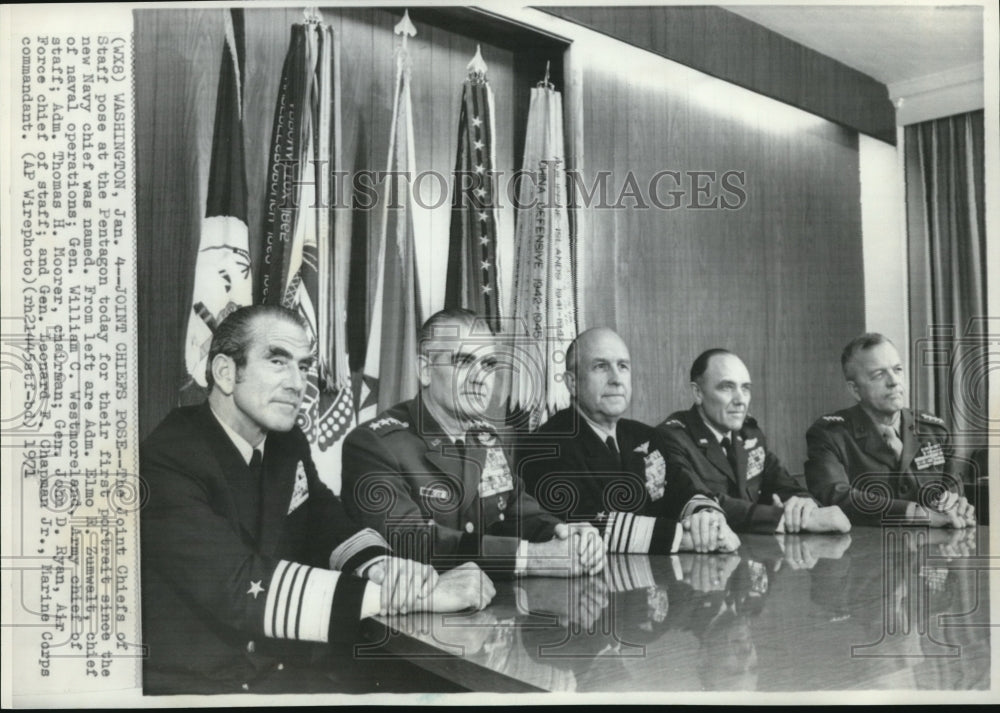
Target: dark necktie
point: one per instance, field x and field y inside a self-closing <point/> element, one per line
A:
<point x="730" y="450"/>
<point x="613" y="447"/>
<point x="257" y="485"/>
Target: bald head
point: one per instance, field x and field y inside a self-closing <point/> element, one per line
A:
<point x="599" y="375"/>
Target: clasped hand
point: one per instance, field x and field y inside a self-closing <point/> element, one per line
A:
<point x="953" y="510"/>
<point x="409" y="586"/>
<point x="804" y="515"/>
<point x="707" y="531"/>
<point x="577" y="548"/>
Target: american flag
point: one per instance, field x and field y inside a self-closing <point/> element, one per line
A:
<point x="472" y="255"/>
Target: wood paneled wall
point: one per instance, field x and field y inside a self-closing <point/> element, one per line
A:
<point x="779" y="280"/>
<point x="730" y="47"/>
<point x="177" y="64"/>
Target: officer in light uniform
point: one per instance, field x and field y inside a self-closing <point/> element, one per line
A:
<point x="433" y="477"/>
<point x="878" y="460"/>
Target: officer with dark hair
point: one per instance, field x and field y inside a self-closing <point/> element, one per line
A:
<point x="720" y="447"/>
<point x="245" y="552"/>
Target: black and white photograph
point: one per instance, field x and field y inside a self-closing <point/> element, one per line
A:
<point x="564" y="353"/>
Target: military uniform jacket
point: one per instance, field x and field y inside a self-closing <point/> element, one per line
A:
<point x="226" y="573"/>
<point x="435" y="501"/>
<point x="691" y="450"/>
<point x="850" y="464"/>
<point x="627" y="496"/>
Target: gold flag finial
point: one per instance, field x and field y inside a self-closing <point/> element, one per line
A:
<point x="405" y="28"/>
<point x="477" y="67"/>
<point x="312" y="15"/>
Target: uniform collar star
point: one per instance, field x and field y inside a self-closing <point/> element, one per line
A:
<point x="255" y="588"/>
<point x="484" y="264"/>
<point x="476" y="121"/>
<point x="484" y="239"/>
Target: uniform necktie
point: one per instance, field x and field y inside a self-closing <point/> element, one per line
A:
<point x="257" y="485"/>
<point x="727" y="446"/>
<point x="612" y="446"/>
<point x="892" y="440"/>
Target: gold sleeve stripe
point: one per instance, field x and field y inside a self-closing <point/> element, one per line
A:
<point x="627" y="532"/>
<point x="299" y="602"/>
<point x="353" y="545"/>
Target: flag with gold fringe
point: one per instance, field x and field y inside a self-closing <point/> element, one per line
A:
<point x="223" y="276"/>
<point x="544" y="297"/>
<point x="301" y="249"/>
<point x="472" y="254"/>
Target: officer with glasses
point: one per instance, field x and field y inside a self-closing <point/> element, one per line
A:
<point x="432" y="475"/>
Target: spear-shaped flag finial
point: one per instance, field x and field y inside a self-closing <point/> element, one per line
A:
<point x="405" y="28"/>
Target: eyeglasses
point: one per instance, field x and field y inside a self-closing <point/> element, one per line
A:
<point x="467" y="360"/>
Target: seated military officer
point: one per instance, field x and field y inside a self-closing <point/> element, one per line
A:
<point x="244" y="549"/>
<point x="720" y="447"/>
<point x="433" y="477"/>
<point x="597" y="466"/>
<point x="878" y="459"/>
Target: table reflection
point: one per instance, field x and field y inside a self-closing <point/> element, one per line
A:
<point x="876" y="608"/>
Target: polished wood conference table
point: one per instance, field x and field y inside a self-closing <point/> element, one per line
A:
<point x="879" y="608"/>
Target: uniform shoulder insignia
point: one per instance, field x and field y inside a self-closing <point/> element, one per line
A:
<point x="833" y="418"/>
<point x="387" y="424"/>
<point x="673" y="423"/>
<point x="930" y="418"/>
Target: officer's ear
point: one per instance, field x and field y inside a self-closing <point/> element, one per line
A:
<point x="569" y="378"/>
<point x="224" y="373"/>
<point x="697" y="393"/>
<point x="852" y="388"/>
<point x="424" y="370"/>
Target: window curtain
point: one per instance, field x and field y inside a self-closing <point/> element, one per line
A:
<point x="947" y="255"/>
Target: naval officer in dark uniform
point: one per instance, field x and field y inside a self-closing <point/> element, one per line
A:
<point x="610" y="470"/>
<point x="721" y="448"/>
<point x="879" y="460"/>
<point x="434" y="478"/>
<point x="245" y="552"/>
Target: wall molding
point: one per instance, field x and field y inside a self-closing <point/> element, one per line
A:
<point x="933" y="96"/>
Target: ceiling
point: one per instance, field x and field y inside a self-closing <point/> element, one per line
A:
<point x="888" y="43"/>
